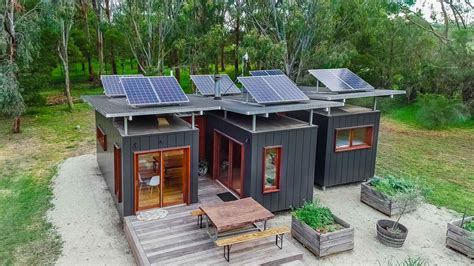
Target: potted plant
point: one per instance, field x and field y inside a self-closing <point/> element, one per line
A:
<point x="460" y="235"/>
<point x="393" y="233"/>
<point x="378" y="193"/>
<point x="320" y="231"/>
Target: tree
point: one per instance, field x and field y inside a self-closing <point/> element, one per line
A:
<point x="16" y="45"/>
<point x="63" y="17"/>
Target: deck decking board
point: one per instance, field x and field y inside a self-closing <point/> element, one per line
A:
<point x="177" y="240"/>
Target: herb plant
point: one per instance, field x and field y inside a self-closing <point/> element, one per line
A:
<point x="391" y="185"/>
<point x="316" y="216"/>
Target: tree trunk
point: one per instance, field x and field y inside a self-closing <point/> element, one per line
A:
<point x="237" y="41"/>
<point x="175" y="60"/>
<point x="446" y="19"/>
<point x="67" y="83"/>
<point x="100" y="48"/>
<point x="16" y="125"/>
<point x="91" y="68"/>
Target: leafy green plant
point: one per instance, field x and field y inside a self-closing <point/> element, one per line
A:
<point x="409" y="261"/>
<point x="437" y="111"/>
<point x="316" y="216"/>
<point x="391" y="185"/>
<point x="469" y="226"/>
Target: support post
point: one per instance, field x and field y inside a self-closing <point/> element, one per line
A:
<point x="317" y="85"/>
<point x="225" y="114"/>
<point x="328" y="110"/>
<point x="311" y="117"/>
<point x="254" y="123"/>
<point x="125" y="125"/>
<point x="374" y="108"/>
<point x="193" y="121"/>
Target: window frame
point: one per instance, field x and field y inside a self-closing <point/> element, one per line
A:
<point x="278" y="169"/>
<point x="368" y="138"/>
<point x="101" y="138"/>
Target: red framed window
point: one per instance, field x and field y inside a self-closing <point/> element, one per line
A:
<point x="101" y="138"/>
<point x="354" y="138"/>
<point x="271" y="169"/>
<point x="118" y="172"/>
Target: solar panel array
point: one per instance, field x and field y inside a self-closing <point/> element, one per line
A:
<point x="206" y="86"/>
<point x="269" y="72"/>
<point x="112" y="86"/>
<point x="341" y="80"/>
<point x="143" y="91"/>
<point x="272" y="89"/>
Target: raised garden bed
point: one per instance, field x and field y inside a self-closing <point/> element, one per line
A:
<point x="459" y="238"/>
<point x="323" y="243"/>
<point x="380" y="201"/>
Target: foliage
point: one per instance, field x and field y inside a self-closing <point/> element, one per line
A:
<point x="410" y="261"/>
<point x="11" y="101"/>
<point x="469" y="226"/>
<point x="391" y="185"/>
<point x="316" y="216"/>
<point x="437" y="111"/>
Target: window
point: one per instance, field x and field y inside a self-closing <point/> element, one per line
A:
<point x="101" y="138"/>
<point x="355" y="138"/>
<point x="271" y="169"/>
<point x="118" y="172"/>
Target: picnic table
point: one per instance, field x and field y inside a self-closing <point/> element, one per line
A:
<point x="234" y="215"/>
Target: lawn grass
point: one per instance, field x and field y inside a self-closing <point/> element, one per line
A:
<point x="28" y="161"/>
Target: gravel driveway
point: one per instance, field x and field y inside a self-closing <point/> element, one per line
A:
<point x="88" y="223"/>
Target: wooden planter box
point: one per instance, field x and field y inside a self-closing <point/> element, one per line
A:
<point x="460" y="239"/>
<point x="380" y="201"/>
<point x="323" y="244"/>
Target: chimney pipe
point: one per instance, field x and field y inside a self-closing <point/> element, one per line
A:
<point x="217" y="87"/>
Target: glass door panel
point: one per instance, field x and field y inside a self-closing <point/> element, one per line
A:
<point x="148" y="180"/>
<point x="236" y="166"/>
<point x="223" y="160"/>
<point x="174" y="170"/>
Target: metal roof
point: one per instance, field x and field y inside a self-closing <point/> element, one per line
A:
<point x="323" y="94"/>
<point x="118" y="107"/>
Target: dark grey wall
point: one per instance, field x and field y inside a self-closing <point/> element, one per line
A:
<point x="298" y="162"/>
<point x="342" y="167"/>
<point x="131" y="144"/>
<point x="105" y="159"/>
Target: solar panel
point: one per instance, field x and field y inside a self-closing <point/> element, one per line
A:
<point x="340" y="80"/>
<point x="352" y="79"/>
<point x="112" y="86"/>
<point x="258" y="73"/>
<point x="205" y="84"/>
<point x="168" y="90"/>
<point x="260" y="90"/>
<point x="272" y="72"/>
<point x="139" y="91"/>
<point x="285" y="87"/>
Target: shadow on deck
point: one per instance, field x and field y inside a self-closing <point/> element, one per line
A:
<point x="177" y="240"/>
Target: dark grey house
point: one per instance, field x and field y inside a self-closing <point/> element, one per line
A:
<point x="271" y="143"/>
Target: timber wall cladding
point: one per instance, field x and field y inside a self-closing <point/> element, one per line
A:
<point x="460" y="239"/>
<point x="323" y="244"/>
<point x="380" y="201"/>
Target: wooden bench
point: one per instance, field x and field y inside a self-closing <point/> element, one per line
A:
<point x="227" y="243"/>
<point x="199" y="213"/>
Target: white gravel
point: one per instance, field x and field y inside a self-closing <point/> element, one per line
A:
<point x="85" y="216"/>
<point x="89" y="225"/>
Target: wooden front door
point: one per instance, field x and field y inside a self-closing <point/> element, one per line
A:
<point x="228" y="162"/>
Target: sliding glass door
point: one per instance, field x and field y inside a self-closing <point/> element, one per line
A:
<point x="161" y="178"/>
<point x="228" y="162"/>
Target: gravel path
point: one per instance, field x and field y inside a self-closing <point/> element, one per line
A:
<point x="88" y="223"/>
<point x="85" y="216"/>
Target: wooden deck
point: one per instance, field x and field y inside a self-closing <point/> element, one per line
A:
<point x="177" y="240"/>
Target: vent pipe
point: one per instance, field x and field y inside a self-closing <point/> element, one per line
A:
<point x="217" y="87"/>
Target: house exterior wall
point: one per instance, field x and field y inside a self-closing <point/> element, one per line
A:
<point x="131" y="144"/>
<point x="336" y="168"/>
<point x="105" y="159"/>
<point x="297" y="162"/>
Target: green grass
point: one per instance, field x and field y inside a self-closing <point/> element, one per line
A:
<point x="28" y="162"/>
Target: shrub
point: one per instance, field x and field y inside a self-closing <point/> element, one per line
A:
<point x="316" y="216"/>
<point x="437" y="111"/>
<point x="391" y="185"/>
<point x="469" y="226"/>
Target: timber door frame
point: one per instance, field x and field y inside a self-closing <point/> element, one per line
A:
<point x="187" y="174"/>
<point x="215" y="164"/>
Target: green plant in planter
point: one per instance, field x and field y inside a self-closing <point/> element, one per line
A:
<point x="391" y="185"/>
<point x="316" y="216"/>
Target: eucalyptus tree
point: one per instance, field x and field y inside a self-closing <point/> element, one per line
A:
<point x="19" y="26"/>
<point x="62" y="16"/>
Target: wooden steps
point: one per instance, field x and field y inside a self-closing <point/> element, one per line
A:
<point x="177" y="240"/>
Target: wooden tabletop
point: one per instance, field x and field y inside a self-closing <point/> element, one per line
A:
<point x="236" y="214"/>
